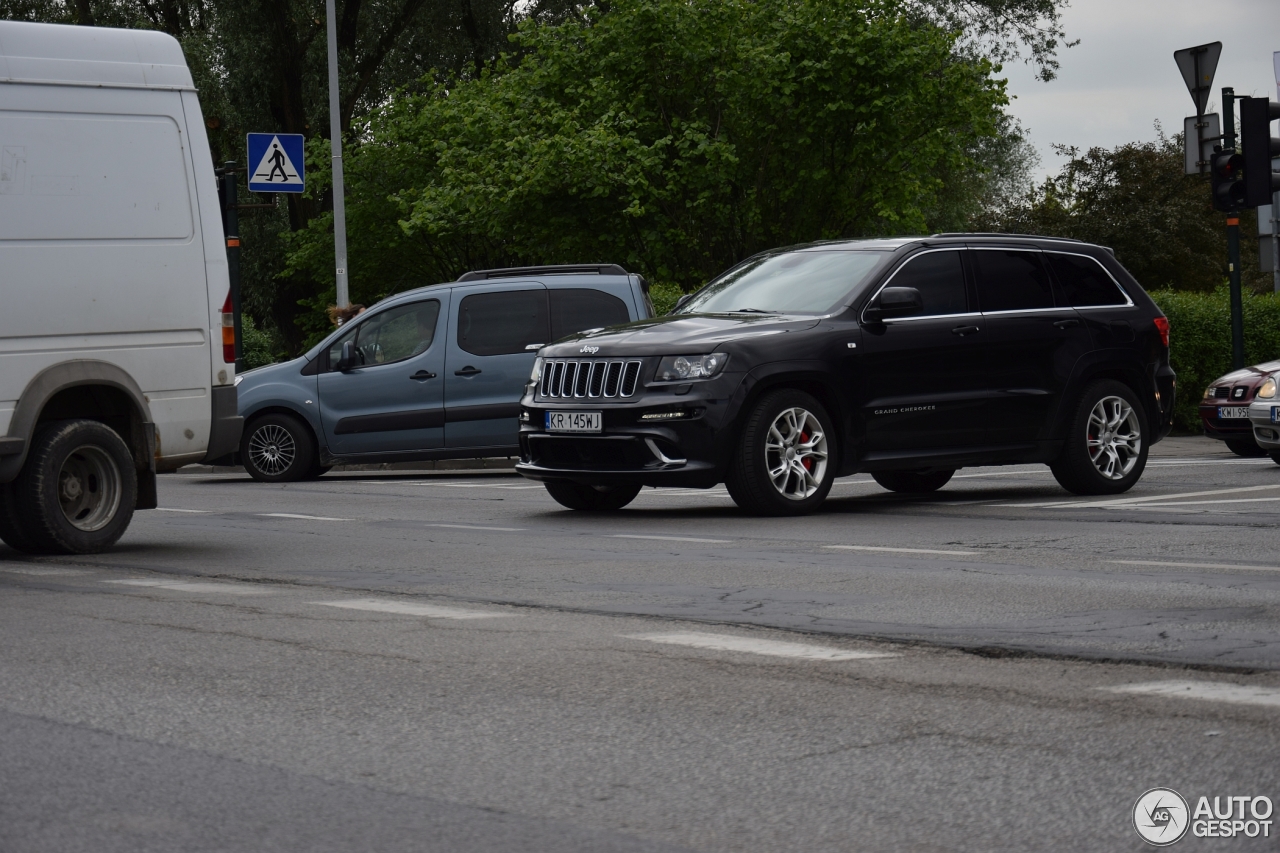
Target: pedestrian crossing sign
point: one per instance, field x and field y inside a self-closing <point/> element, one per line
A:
<point x="276" y="163"/>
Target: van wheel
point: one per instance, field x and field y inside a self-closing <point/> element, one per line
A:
<point x="1246" y="447"/>
<point x="785" y="460"/>
<point x="912" y="482"/>
<point x="1106" y="447"/>
<point x="77" y="490"/>
<point x="11" y="530"/>
<point x="591" y="498"/>
<point x="279" y="448"/>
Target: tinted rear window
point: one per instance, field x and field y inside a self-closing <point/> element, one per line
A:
<point x="1084" y="281"/>
<point x="575" y="310"/>
<point x="1011" y="281"/>
<point x="504" y="322"/>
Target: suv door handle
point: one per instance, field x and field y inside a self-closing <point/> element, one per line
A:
<point x="1066" y="324"/>
<point x="964" y="330"/>
<point x="467" y="371"/>
<point x="423" y="375"/>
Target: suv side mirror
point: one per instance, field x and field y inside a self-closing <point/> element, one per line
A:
<point x="680" y="303"/>
<point x="349" y="358"/>
<point x="894" y="302"/>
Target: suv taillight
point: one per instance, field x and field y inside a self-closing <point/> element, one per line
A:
<point x="228" y="331"/>
<point x="1162" y="326"/>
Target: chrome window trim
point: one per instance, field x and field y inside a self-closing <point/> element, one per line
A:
<point x="862" y="315"/>
<point x="1123" y="292"/>
<point x="1065" y="308"/>
<point x="894" y="320"/>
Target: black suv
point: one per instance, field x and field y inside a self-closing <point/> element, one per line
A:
<point x="904" y="358"/>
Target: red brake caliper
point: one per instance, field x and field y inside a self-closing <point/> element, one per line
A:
<point x="807" y="462"/>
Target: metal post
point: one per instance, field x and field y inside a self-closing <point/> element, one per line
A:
<point x="231" y="227"/>
<point x="335" y="142"/>
<point x="1275" y="241"/>
<point x="1233" y="238"/>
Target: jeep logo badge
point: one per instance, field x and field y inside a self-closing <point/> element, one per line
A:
<point x="590" y="349"/>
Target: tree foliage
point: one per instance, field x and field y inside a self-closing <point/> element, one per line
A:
<point x="673" y="136"/>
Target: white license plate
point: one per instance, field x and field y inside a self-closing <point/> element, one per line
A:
<point x="573" y="422"/>
<point x="1275" y="414"/>
<point x="1227" y="412"/>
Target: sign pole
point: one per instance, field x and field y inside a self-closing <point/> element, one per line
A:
<point x="335" y="142"/>
<point x="1233" y="239"/>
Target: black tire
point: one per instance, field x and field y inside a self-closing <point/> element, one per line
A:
<point x="77" y="489"/>
<point x="1246" y="447"/>
<point x="1275" y="456"/>
<point x="591" y="498"/>
<point x="279" y="448"/>
<point x="1118" y="413"/>
<point x="317" y="471"/>
<point x="12" y="531"/>
<point x="912" y="482"/>
<point x="749" y="481"/>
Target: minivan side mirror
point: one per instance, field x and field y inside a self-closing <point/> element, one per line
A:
<point x="349" y="358"/>
<point x="894" y="302"/>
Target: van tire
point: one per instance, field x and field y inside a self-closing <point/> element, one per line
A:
<point x="12" y="533"/>
<point x="78" y="489"/>
<point x="591" y="498"/>
<point x="1076" y="468"/>
<point x="279" y="448"/>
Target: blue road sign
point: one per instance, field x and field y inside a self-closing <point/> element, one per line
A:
<point x="276" y="163"/>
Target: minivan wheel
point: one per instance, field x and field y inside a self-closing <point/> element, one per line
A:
<point x="77" y="489"/>
<point x="591" y="498"/>
<point x="912" y="482"/>
<point x="1246" y="447"/>
<point x="1106" y="449"/>
<point x="278" y="448"/>
<point x="785" y="460"/>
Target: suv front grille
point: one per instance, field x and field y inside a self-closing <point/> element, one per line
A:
<point x="593" y="377"/>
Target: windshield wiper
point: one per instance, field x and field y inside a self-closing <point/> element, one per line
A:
<point x="753" y="311"/>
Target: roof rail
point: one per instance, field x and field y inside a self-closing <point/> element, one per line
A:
<point x="1005" y="234"/>
<point x="553" y="269"/>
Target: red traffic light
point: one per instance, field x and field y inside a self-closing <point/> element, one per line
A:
<point x="1225" y="174"/>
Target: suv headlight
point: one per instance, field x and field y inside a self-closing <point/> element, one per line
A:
<point x="536" y="375"/>
<point x="673" y="368"/>
<point x="1268" y="389"/>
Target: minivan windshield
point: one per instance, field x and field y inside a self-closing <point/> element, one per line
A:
<point x="806" y="282"/>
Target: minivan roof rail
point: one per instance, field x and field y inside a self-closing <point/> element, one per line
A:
<point x="1004" y="234"/>
<point x="553" y="269"/>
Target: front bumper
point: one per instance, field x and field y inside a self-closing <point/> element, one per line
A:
<point x="1223" y="428"/>
<point x="1264" y="419"/>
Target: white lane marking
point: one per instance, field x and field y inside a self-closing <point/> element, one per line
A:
<point x="1210" y="462"/>
<point x="441" y="485"/>
<point x="303" y="517"/>
<point x="1195" y="565"/>
<point x="1000" y="474"/>
<point x="1208" y="690"/>
<point x="1197" y="503"/>
<point x="175" y="509"/>
<point x="475" y="527"/>
<point x="195" y="586"/>
<point x="407" y="608"/>
<point x="669" y="538"/>
<point x="43" y="572"/>
<point x="1122" y="502"/>
<point x="903" y="550"/>
<point x="776" y="648"/>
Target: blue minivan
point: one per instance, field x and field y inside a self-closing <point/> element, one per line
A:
<point x="432" y="373"/>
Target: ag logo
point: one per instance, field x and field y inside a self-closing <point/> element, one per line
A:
<point x="590" y="349"/>
<point x="1160" y="816"/>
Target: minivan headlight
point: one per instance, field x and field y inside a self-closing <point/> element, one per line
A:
<point x="536" y="375"/>
<point x="673" y="368"/>
<point x="1268" y="389"/>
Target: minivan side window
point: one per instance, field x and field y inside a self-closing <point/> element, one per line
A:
<point x="577" y="309"/>
<point x="503" y="323"/>
<point x="1084" y="281"/>
<point x="1012" y="281"/>
<point x="392" y="335"/>
<point x="939" y="276"/>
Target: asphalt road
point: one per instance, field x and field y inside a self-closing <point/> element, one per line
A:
<point x="398" y="661"/>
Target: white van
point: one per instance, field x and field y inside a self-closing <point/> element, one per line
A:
<point x="116" y="348"/>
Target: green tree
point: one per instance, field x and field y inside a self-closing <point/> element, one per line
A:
<point x="673" y="136"/>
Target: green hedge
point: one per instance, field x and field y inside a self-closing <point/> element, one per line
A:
<point x="1200" y="341"/>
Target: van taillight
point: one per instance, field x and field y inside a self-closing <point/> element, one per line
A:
<point x="1162" y="326"/>
<point x="229" y="331"/>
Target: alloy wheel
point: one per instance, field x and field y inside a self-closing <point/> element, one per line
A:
<point x="795" y="453"/>
<point x="272" y="449"/>
<point x="89" y="488"/>
<point x="1114" y="437"/>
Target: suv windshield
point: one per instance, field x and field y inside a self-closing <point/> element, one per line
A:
<point x="808" y="282"/>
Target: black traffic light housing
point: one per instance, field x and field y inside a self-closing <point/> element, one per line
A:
<point x="1226" y="177"/>
<point x="1256" y="115"/>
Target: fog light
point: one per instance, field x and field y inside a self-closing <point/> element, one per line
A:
<point x="524" y="416"/>
<point x="663" y="416"/>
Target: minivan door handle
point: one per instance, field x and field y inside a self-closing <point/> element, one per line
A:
<point x="423" y="375"/>
<point x="467" y="371"/>
<point x="964" y="330"/>
<point x="1067" y="324"/>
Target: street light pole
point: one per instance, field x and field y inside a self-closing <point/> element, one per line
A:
<point x="335" y="142"/>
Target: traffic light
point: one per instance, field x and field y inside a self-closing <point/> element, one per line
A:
<point x="1226" y="177"/>
<point x="1256" y="115"/>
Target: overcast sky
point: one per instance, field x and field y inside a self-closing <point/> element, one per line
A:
<point x="1121" y="78"/>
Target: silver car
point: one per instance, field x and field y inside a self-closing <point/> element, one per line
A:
<point x="1264" y="414"/>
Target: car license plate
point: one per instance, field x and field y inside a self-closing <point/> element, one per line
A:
<point x="1275" y="414"/>
<point x="573" y="422"/>
<point x="1227" y="412"/>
